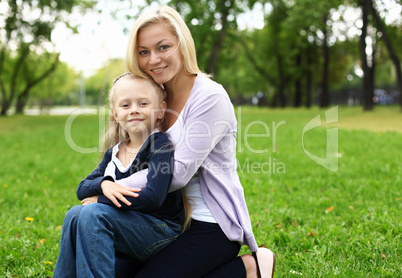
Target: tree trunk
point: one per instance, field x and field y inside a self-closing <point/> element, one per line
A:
<point x="298" y="90"/>
<point x="282" y="80"/>
<point x="309" y="79"/>
<point x="22" y="98"/>
<point x="325" y="70"/>
<point x="298" y="93"/>
<point x="368" y="78"/>
<point x="21" y="102"/>
<point x="213" y="63"/>
<point x="392" y="54"/>
<point x="5" y="105"/>
<point x="6" y="101"/>
<point x="260" y="70"/>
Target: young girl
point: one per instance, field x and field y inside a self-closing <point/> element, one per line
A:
<point x="93" y="233"/>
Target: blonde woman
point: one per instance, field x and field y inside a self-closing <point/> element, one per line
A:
<point x="201" y="123"/>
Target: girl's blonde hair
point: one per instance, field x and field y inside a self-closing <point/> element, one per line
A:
<point x="114" y="132"/>
<point x="175" y="22"/>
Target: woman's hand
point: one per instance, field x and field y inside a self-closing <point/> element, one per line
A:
<point x="115" y="192"/>
<point x="89" y="200"/>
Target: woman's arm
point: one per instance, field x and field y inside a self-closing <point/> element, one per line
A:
<point x="208" y="121"/>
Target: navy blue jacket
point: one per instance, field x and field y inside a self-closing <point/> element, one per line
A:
<point x="156" y="154"/>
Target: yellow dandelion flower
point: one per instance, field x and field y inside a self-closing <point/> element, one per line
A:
<point x="329" y="209"/>
<point x="47" y="262"/>
<point x="30" y="219"/>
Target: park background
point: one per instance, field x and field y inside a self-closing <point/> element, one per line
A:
<point x="281" y="61"/>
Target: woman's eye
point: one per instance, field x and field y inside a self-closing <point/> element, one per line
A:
<point x="164" y="47"/>
<point x="143" y="52"/>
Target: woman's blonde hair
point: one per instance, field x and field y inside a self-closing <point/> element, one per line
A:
<point x="178" y="27"/>
<point x="175" y="22"/>
<point x="114" y="132"/>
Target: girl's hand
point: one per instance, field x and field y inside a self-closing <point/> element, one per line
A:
<point x="89" y="200"/>
<point x="115" y="192"/>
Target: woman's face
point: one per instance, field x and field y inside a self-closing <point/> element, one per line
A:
<point x="159" y="53"/>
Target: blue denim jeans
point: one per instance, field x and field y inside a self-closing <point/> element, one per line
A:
<point x="93" y="235"/>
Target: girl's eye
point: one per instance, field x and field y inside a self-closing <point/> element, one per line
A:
<point x="143" y="103"/>
<point x="125" y="105"/>
<point x="143" y="52"/>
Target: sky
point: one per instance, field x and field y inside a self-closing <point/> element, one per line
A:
<point x="101" y="37"/>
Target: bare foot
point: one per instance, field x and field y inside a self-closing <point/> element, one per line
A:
<point x="250" y="265"/>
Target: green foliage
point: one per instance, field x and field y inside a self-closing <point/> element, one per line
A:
<point x="33" y="21"/>
<point x="26" y="34"/>
<point x="60" y="88"/>
<point x="98" y="85"/>
<point x="319" y="223"/>
<point x="287" y="50"/>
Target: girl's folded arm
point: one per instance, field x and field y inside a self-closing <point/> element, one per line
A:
<point x="90" y="186"/>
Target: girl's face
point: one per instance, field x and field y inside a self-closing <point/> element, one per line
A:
<point x="137" y="107"/>
<point x="159" y="53"/>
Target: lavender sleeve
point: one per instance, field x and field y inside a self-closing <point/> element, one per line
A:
<point x="206" y="122"/>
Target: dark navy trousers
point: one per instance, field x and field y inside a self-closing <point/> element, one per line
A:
<point x="202" y="251"/>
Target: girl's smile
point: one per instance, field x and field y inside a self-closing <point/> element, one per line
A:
<point x="136" y="107"/>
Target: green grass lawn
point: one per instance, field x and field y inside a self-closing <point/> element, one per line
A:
<point x="320" y="223"/>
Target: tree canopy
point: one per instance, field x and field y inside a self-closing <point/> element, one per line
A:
<point x="303" y="52"/>
<point x="26" y="28"/>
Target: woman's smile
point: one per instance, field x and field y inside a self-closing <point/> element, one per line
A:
<point x="158" y="70"/>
